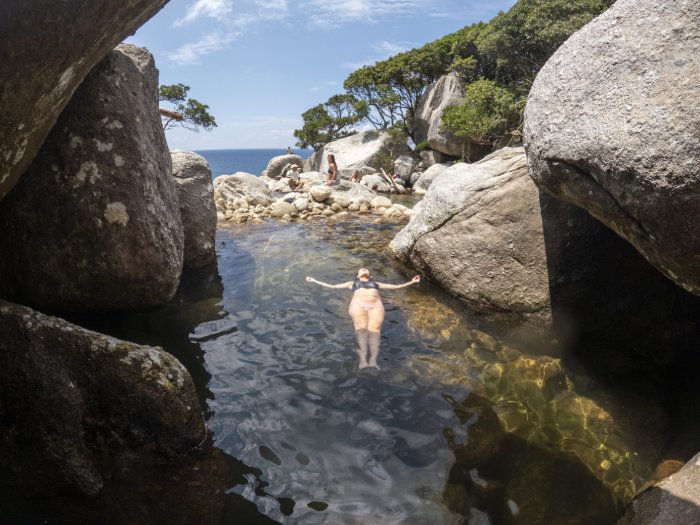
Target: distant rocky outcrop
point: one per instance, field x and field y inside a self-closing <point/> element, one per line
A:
<point x="84" y="397"/>
<point x="447" y="91"/>
<point x="277" y="164"/>
<point x="612" y="125"/>
<point x="46" y="50"/>
<point x="352" y="152"/>
<point x="486" y="234"/>
<point x="196" y="196"/>
<point x="95" y="224"/>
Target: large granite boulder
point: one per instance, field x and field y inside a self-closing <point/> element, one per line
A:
<point x="420" y="187"/>
<point x="376" y="182"/>
<point x="478" y="232"/>
<point x="73" y="398"/>
<point x="241" y="190"/>
<point x="277" y="164"/>
<point x="447" y="91"/>
<point x="95" y="221"/>
<point x="676" y="499"/>
<point x="486" y="234"/>
<point x="612" y="125"/>
<point x="353" y="152"/>
<point x="196" y="196"/>
<point x="351" y="192"/>
<point x="46" y="50"/>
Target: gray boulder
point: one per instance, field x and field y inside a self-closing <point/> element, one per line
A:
<point x="376" y="183"/>
<point x="421" y="186"/>
<point x="281" y="208"/>
<point x="46" y="50"/>
<point x="353" y="152"/>
<point x="486" y="234"/>
<point x="350" y="192"/>
<point x="612" y="125"/>
<point x="447" y="91"/>
<point x="277" y="164"/>
<point x="196" y="196"/>
<point x="72" y="399"/>
<point x="478" y="232"/>
<point x="676" y="499"/>
<point x="430" y="157"/>
<point x="241" y="186"/>
<point x="95" y="222"/>
<point x="403" y="167"/>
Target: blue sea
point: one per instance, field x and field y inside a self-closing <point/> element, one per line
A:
<point x="254" y="161"/>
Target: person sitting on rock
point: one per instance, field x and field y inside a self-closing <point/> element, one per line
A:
<point x="332" y="173"/>
<point x="355" y="176"/>
<point x="289" y="150"/>
<point x="367" y="311"/>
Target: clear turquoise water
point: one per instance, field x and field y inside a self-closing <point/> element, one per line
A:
<point x="228" y="161"/>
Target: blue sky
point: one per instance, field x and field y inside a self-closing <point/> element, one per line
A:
<point x="259" y="64"/>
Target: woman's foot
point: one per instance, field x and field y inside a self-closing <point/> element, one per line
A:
<point x="363" y="364"/>
<point x="373" y="365"/>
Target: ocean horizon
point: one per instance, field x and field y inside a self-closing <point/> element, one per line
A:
<point x="248" y="160"/>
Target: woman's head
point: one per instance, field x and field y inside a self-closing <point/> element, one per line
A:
<point x="364" y="272"/>
<point x="331" y="158"/>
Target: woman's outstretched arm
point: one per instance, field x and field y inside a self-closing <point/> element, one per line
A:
<point x="415" y="280"/>
<point x="341" y="285"/>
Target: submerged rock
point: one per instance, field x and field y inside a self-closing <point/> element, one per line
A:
<point x="95" y="222"/>
<point x="47" y="48"/>
<point x="72" y="398"/>
<point x="612" y="125"/>
<point x="196" y="196"/>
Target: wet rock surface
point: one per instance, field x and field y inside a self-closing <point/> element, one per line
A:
<point x="95" y="222"/>
<point x="74" y="399"/>
<point x="44" y="64"/>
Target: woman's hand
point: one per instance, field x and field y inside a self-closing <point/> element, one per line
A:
<point x="416" y="279"/>
<point x="310" y="279"/>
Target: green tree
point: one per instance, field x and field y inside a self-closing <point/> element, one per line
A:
<point x="183" y="111"/>
<point x="488" y="112"/>
<point x="330" y="121"/>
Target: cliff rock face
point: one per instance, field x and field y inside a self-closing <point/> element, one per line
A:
<point x="613" y="125"/>
<point x="70" y="396"/>
<point x="46" y="49"/>
<point x="196" y="196"/>
<point x="486" y="234"/>
<point x="95" y="222"/>
<point x="352" y="152"/>
<point x="427" y="177"/>
<point x="447" y="91"/>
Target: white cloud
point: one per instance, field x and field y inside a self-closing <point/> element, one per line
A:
<point x="191" y="53"/>
<point x="229" y="25"/>
<point x="383" y="50"/>
<point x="332" y="13"/>
<point x="216" y="9"/>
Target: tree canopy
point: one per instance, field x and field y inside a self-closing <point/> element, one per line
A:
<point x="330" y="121"/>
<point x="183" y="111"/>
<point x="502" y="56"/>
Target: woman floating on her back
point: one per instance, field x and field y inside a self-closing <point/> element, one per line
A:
<point x="367" y="311"/>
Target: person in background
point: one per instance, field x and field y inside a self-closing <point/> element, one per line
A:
<point x="332" y="174"/>
<point x="289" y="150"/>
<point x="355" y="176"/>
<point x="367" y="311"/>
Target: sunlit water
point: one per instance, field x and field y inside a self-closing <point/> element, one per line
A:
<point x="456" y="425"/>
